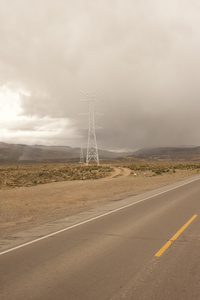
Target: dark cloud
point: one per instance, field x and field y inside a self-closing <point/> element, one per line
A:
<point x="142" y="57"/>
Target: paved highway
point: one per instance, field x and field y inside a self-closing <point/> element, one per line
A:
<point x="114" y="256"/>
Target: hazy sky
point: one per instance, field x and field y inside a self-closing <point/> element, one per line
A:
<point x="141" y="56"/>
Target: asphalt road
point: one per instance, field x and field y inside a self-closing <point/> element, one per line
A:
<point x="113" y="256"/>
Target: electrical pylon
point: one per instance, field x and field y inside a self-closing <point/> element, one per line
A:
<point x="92" y="150"/>
<point x="81" y="156"/>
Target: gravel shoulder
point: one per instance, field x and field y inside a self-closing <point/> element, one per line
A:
<point x="26" y="207"/>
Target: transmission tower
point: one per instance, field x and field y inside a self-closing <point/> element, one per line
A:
<point x="81" y="156"/>
<point x="92" y="150"/>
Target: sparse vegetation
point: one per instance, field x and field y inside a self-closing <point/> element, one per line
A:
<point x="18" y="175"/>
<point x="32" y="174"/>
<point x="161" y="167"/>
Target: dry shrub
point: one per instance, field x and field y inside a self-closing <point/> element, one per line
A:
<point x="32" y="174"/>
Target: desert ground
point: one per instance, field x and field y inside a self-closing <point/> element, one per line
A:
<point x="33" y="194"/>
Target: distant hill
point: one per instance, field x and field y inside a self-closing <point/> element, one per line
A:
<point x="168" y="153"/>
<point x="11" y="153"/>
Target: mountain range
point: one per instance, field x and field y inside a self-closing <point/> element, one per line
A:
<point x="39" y="153"/>
<point x="13" y="153"/>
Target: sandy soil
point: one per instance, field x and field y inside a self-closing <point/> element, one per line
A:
<point x="25" y="207"/>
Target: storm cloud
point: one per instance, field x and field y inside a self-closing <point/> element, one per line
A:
<point x="141" y="57"/>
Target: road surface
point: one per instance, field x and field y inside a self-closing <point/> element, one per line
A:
<point x="113" y="256"/>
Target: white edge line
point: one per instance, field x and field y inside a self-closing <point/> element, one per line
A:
<point x="92" y="219"/>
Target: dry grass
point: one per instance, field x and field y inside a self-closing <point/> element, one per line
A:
<point x="18" y="175"/>
<point x="25" y="175"/>
<point x="154" y="168"/>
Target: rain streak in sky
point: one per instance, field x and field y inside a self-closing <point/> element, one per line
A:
<point x="141" y="57"/>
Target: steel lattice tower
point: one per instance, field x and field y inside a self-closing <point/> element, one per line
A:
<point x="81" y="156"/>
<point x="92" y="150"/>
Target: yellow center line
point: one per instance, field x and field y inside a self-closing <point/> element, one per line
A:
<point x="162" y="250"/>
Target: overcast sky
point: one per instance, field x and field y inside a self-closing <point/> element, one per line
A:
<point x="141" y="56"/>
